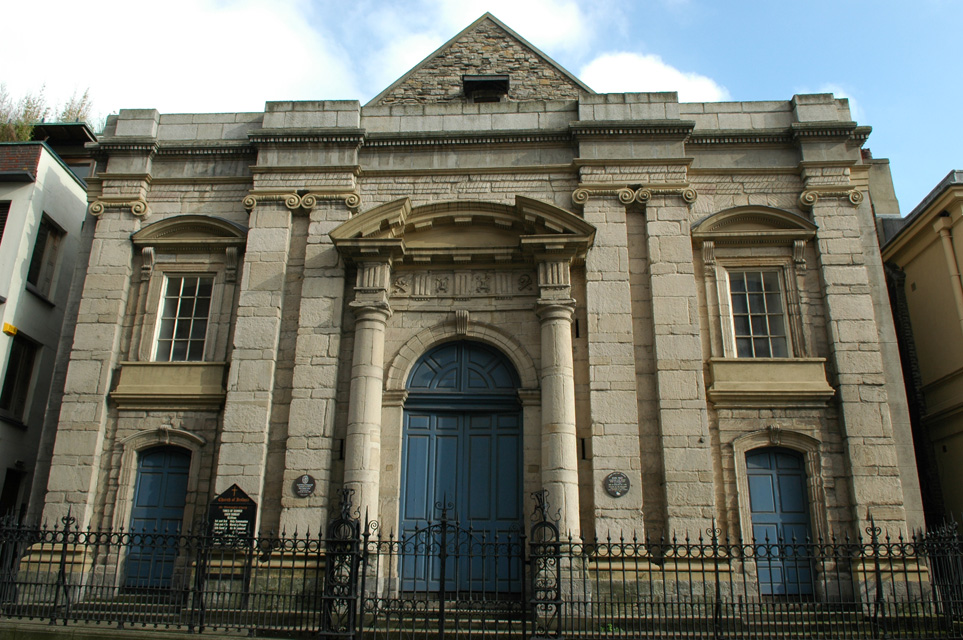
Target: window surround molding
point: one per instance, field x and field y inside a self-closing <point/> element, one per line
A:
<point x="22" y="387"/>
<point x="775" y="436"/>
<point x="48" y="273"/>
<point x="131" y="446"/>
<point x="762" y="239"/>
<point x="187" y="245"/>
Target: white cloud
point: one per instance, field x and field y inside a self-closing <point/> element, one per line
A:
<point x="548" y="24"/>
<point x="854" y="108"/>
<point x="178" y="56"/>
<point x="630" y="72"/>
<point x="402" y="35"/>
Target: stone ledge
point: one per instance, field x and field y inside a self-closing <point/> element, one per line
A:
<point x="170" y="385"/>
<point x="768" y="382"/>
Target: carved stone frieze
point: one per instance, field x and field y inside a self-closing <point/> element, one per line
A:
<point x="468" y="283"/>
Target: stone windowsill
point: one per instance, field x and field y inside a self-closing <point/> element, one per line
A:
<point x="768" y="382"/>
<point x="170" y="385"/>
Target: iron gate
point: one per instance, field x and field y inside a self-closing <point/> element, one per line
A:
<point x="442" y="580"/>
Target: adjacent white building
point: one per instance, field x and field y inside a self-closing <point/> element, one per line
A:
<point x="42" y="209"/>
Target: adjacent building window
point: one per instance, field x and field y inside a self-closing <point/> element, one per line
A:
<point x="16" y="382"/>
<point x="4" y="211"/>
<point x="758" y="314"/>
<point x="183" y="319"/>
<point x="43" y="263"/>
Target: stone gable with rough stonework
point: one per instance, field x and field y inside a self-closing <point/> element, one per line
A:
<point x="488" y="49"/>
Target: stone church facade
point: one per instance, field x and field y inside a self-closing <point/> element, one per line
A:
<point x="488" y="281"/>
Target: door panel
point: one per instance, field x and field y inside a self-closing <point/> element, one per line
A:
<point x="478" y="472"/>
<point x="780" y="521"/>
<point x="160" y="492"/>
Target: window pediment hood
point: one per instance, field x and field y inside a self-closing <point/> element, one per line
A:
<point x="464" y="232"/>
<point x="753" y="225"/>
<point x="190" y="232"/>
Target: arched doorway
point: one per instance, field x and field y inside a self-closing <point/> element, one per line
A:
<point x="780" y="520"/>
<point x="160" y="493"/>
<point x="462" y="448"/>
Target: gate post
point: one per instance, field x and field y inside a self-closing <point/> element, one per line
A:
<point x="342" y="554"/>
<point x="546" y="571"/>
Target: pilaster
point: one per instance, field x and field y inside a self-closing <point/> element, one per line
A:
<point x="611" y="359"/>
<point x="854" y="336"/>
<point x="245" y="433"/>
<point x="679" y="362"/>
<point x="314" y="384"/>
<point x="75" y="473"/>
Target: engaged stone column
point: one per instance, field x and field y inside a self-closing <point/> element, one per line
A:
<point x="559" y="443"/>
<point x="362" y="463"/>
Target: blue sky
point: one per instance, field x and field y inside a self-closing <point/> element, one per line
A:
<point x="896" y="61"/>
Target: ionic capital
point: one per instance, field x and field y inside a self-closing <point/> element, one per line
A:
<point x="627" y="195"/>
<point x="138" y="208"/>
<point x="809" y="198"/>
<point x="307" y="201"/>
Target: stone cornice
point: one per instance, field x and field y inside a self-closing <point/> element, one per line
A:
<point x="307" y="200"/>
<point x="740" y="137"/>
<point x="633" y="162"/>
<point x="827" y="130"/>
<point x="207" y="150"/>
<point x="628" y="195"/>
<point x="146" y="178"/>
<point x="448" y="171"/>
<point x="343" y="137"/>
<point x="137" y="208"/>
<point x="640" y="128"/>
<point x="303" y="169"/>
<point x="450" y="138"/>
<point x="126" y="146"/>
<point x="358" y="250"/>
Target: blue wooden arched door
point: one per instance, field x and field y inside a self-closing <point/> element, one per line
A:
<point x="462" y="445"/>
<point x="780" y="520"/>
<point x="160" y="492"/>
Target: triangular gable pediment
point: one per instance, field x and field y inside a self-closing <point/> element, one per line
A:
<point x="486" y="47"/>
<point x="464" y="231"/>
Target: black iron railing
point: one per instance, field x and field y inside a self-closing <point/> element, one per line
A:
<point x="448" y="580"/>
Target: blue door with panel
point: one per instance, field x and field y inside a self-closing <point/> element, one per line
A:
<point x="462" y="449"/>
<point x="160" y="492"/>
<point x="780" y="520"/>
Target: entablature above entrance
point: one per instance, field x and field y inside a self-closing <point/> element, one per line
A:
<point x="463" y="233"/>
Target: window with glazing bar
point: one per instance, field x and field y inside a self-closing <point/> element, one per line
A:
<point x="758" y="314"/>
<point x="184" y="314"/>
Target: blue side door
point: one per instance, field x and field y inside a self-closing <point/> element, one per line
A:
<point x="780" y="521"/>
<point x="160" y="492"/>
